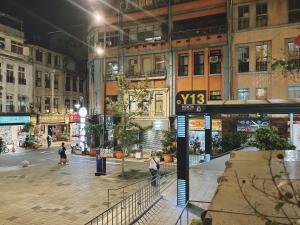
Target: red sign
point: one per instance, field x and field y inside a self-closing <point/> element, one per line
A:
<point x="74" y="117"/>
<point x="297" y="40"/>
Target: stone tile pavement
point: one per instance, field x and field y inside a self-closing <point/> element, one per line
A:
<point x="55" y="195"/>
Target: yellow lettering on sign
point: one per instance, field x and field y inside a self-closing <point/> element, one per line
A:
<point x="185" y="98"/>
<point x="200" y="99"/>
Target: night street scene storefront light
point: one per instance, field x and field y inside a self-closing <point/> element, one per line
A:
<point x="82" y="113"/>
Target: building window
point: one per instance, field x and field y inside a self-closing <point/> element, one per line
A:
<point x="159" y="104"/>
<point x="56" y="81"/>
<point x="183" y="65"/>
<point x="294" y="91"/>
<point x="243" y="17"/>
<point x="215" y="95"/>
<point x="21" y="103"/>
<point x="198" y="63"/>
<point x="100" y="42"/>
<point x="261" y="15"/>
<point x="294" y="11"/>
<point x="38" y="103"/>
<point x="17" y="47"/>
<point x="2" y="43"/>
<point x="10" y="103"/>
<point x="261" y="93"/>
<point x="57" y="60"/>
<point x="67" y="105"/>
<point x="132" y="66"/>
<point x="21" y="75"/>
<point x="243" y="59"/>
<point x="112" y="68"/>
<point x="73" y="105"/>
<point x="49" y="58"/>
<point x="81" y="86"/>
<point x="55" y="105"/>
<point x="261" y="52"/>
<point x="146" y="65"/>
<point x="293" y="55"/>
<point x="38" y="55"/>
<point x="145" y="106"/>
<point x="47" y="80"/>
<point x="47" y="104"/>
<point x="1" y="78"/>
<point x="38" y="78"/>
<point x="10" y="74"/>
<point x="68" y="85"/>
<point x="159" y="63"/>
<point x="215" y="62"/>
<point x="75" y="84"/>
<point x="112" y="39"/>
<point x="132" y="103"/>
<point x="243" y="94"/>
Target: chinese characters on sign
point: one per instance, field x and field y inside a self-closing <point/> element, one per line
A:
<point x="190" y="101"/>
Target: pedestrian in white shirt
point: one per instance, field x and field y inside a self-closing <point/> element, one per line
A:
<point x="153" y="167"/>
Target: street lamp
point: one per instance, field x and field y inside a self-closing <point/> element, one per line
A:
<point x="98" y="17"/>
<point x="82" y="113"/>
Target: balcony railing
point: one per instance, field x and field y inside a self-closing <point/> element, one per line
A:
<point x="199" y="32"/>
<point x="150" y="75"/>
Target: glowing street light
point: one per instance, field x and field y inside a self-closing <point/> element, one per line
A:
<point x="98" y="17"/>
<point x="99" y="51"/>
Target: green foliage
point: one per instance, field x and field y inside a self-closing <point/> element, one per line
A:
<point x="268" y="139"/>
<point x="127" y="131"/>
<point x="118" y="148"/>
<point x="93" y="129"/>
<point x="233" y="140"/>
<point x="284" y="65"/>
<point x="279" y="206"/>
<point x="168" y="138"/>
<point x="27" y="127"/>
<point x="196" y="222"/>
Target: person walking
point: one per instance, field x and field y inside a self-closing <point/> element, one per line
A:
<point x="154" y="168"/>
<point x="49" y="140"/>
<point x="62" y="154"/>
<point x="26" y="141"/>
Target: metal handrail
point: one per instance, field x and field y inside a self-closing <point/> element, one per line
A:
<point x="130" y="208"/>
<point x="128" y="185"/>
<point x="179" y="220"/>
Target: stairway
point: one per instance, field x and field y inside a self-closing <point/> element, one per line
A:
<point x="151" y="140"/>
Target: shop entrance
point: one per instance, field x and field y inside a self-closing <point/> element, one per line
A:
<point x="193" y="103"/>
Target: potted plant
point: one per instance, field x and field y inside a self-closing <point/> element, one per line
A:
<point x="93" y="131"/>
<point x="118" y="153"/>
<point x="168" y="140"/>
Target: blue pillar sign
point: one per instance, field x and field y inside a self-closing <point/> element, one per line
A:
<point x="100" y="163"/>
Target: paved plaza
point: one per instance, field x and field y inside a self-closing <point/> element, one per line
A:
<point x="48" y="194"/>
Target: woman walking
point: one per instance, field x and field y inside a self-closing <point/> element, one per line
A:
<point x="62" y="153"/>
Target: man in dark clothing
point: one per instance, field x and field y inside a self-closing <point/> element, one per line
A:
<point x="62" y="153"/>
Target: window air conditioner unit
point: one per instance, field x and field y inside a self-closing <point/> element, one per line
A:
<point x="214" y="59"/>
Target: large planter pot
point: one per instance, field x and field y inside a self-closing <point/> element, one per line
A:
<point x="93" y="152"/>
<point x="168" y="158"/>
<point x="118" y="154"/>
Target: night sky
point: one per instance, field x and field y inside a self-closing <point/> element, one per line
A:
<point x="58" y="12"/>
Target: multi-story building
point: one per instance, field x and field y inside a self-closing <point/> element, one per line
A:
<point x="15" y="78"/>
<point x="263" y="31"/>
<point x="177" y="45"/>
<point x="56" y="89"/>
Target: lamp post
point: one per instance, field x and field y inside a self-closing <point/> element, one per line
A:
<point x="82" y="113"/>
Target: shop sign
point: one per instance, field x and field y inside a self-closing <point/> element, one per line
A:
<point x="52" y="119"/>
<point x="109" y="121"/>
<point x="251" y="125"/>
<point x="14" y="119"/>
<point x="160" y="125"/>
<point x="74" y="117"/>
<point x="198" y="124"/>
<point x="190" y="101"/>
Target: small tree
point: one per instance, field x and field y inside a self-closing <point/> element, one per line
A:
<point x="268" y="139"/>
<point x="168" y="138"/>
<point x="27" y="127"/>
<point x="126" y="130"/>
<point x="232" y="140"/>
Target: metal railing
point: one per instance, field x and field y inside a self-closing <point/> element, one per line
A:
<point x="188" y="214"/>
<point x="131" y="208"/>
<point x="166" y="169"/>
